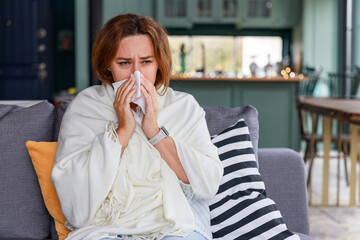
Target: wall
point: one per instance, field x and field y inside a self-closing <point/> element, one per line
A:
<point x="356" y="36"/>
<point x="297" y="46"/>
<point x="111" y="8"/>
<point x="82" y="53"/>
<point x="320" y="37"/>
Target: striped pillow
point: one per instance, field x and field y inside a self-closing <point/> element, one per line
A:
<point x="240" y="209"/>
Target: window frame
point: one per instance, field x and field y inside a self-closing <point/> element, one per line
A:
<point x="230" y="30"/>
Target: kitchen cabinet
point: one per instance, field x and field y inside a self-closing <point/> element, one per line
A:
<point x="269" y="13"/>
<point x="242" y="13"/>
<point x="175" y="13"/>
<point x="215" y="11"/>
<point x="185" y="13"/>
<point x="289" y="14"/>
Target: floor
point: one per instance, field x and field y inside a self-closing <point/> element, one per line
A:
<point x="338" y="221"/>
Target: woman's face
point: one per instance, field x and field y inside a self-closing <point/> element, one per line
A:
<point x="134" y="53"/>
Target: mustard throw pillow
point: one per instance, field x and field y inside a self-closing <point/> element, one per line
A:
<point x="43" y="157"/>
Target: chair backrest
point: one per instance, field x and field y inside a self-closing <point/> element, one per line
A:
<point x="307" y="88"/>
<point x="334" y="84"/>
<point x="337" y="81"/>
<point x="301" y="119"/>
<point x="355" y="83"/>
<point x="304" y="117"/>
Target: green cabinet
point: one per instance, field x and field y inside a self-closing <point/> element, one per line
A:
<point x="270" y="13"/>
<point x="242" y="13"/>
<point x="289" y="14"/>
<point x="175" y="13"/>
<point x="215" y="11"/>
<point x="257" y="13"/>
<point x="185" y="13"/>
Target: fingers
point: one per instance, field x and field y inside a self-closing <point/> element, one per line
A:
<point x="124" y="90"/>
<point x="128" y="97"/>
<point x="148" y="98"/>
<point x="151" y="90"/>
<point x="125" y="86"/>
<point x="149" y="86"/>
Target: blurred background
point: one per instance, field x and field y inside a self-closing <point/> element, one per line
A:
<point x="225" y="52"/>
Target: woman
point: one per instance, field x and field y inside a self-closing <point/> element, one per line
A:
<point x="126" y="172"/>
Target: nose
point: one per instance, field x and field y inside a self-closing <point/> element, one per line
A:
<point x="136" y="67"/>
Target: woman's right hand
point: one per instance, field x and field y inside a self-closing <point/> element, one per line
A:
<point x="123" y="111"/>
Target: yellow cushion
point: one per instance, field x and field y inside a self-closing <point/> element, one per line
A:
<point x="43" y="158"/>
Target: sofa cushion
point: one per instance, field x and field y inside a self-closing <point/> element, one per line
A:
<point x="304" y="237"/>
<point x="22" y="210"/>
<point x="53" y="231"/>
<point x="240" y="208"/>
<point x="219" y="118"/>
<point x="60" y="110"/>
<point x="283" y="171"/>
<point x="43" y="158"/>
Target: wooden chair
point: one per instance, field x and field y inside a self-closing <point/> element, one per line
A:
<point x="308" y="87"/>
<point x="337" y="80"/>
<point x="355" y="83"/>
<point x="306" y="133"/>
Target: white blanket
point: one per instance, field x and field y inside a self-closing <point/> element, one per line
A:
<point x="138" y="194"/>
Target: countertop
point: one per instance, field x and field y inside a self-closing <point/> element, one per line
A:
<point x="247" y="79"/>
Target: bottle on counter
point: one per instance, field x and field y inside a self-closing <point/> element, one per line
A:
<point x="269" y="68"/>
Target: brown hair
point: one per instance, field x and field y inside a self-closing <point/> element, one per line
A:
<point x="122" y="26"/>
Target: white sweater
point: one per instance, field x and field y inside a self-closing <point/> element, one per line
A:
<point x="138" y="194"/>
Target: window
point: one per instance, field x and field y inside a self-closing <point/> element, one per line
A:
<point x="225" y="55"/>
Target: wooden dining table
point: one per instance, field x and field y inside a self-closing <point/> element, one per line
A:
<point x="344" y="110"/>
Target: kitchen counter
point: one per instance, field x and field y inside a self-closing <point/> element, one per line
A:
<point x="253" y="79"/>
<point x="274" y="98"/>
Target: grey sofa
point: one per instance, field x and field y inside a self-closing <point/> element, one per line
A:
<point x="22" y="210"/>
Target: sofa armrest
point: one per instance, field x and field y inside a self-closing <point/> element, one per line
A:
<point x="283" y="172"/>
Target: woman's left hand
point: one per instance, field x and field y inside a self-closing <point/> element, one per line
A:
<point x="149" y="122"/>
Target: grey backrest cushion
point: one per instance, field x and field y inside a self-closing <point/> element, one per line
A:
<point x="220" y="118"/>
<point x="60" y="110"/>
<point x="283" y="172"/>
<point x="22" y="209"/>
<point x="53" y="230"/>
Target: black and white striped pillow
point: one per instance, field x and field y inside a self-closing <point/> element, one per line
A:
<point x="240" y="209"/>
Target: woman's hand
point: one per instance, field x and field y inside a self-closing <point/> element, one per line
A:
<point x="123" y="111"/>
<point x="166" y="147"/>
<point x="149" y="122"/>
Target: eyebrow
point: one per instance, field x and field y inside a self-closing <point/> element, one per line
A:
<point x="128" y="59"/>
<point x="147" y="57"/>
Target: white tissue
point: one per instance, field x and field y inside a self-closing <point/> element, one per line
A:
<point x="138" y="98"/>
